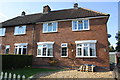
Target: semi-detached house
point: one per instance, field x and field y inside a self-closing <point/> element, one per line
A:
<point x="71" y="36"/>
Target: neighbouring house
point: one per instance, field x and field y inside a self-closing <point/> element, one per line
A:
<point x="70" y="36"/>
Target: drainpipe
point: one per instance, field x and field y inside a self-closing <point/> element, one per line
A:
<point x="33" y="39"/>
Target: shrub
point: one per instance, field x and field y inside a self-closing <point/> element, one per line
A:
<point x="16" y="61"/>
<point x="53" y="62"/>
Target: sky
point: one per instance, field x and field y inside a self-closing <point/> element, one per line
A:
<point x="10" y="10"/>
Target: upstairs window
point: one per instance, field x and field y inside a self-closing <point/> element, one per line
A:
<point x="2" y="31"/>
<point x="50" y="27"/>
<point x="19" y="30"/>
<point x="45" y="49"/>
<point x="64" y="50"/>
<point x="80" y="25"/>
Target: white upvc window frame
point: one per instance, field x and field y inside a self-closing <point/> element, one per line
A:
<point x="82" y="24"/>
<point x="17" y="31"/>
<point x="7" y="47"/>
<point x="88" y="42"/>
<point x="3" y="30"/>
<point x="41" y="48"/>
<point x="47" y="25"/>
<point x="64" y="45"/>
<point x="20" y="45"/>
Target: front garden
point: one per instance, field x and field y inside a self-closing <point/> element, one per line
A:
<point x="21" y="65"/>
<point x="28" y="72"/>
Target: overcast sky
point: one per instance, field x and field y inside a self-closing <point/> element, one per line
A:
<point x="10" y="10"/>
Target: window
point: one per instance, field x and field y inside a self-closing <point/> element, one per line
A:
<point x="64" y="50"/>
<point x="50" y="27"/>
<point x="20" y="30"/>
<point x="86" y="48"/>
<point x="2" y="31"/>
<point x="7" y="49"/>
<point x="21" y="48"/>
<point x="45" y="49"/>
<point x="80" y="25"/>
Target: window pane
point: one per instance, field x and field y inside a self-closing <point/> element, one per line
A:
<point x="79" y="52"/>
<point x="74" y="25"/>
<point x="54" y="26"/>
<point x="79" y="45"/>
<point x="64" y="51"/>
<point x="44" y="52"/>
<point x="2" y="31"/>
<point x="92" y="50"/>
<point x="39" y="51"/>
<point x="19" y="51"/>
<point x="49" y="28"/>
<point x="85" y="24"/>
<point x="24" y="51"/>
<point x="44" y="27"/>
<point x="85" y="51"/>
<point x="80" y="25"/>
<point x="39" y="46"/>
<point x="50" y="52"/>
<point x="50" y="24"/>
<point x="15" y="50"/>
<point x="22" y="29"/>
<point x="85" y="44"/>
<point x="16" y="30"/>
<point x="7" y="51"/>
<point x="49" y="45"/>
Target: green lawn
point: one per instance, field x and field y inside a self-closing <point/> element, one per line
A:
<point x="29" y="71"/>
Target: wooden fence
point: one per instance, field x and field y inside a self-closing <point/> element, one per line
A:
<point x="9" y="76"/>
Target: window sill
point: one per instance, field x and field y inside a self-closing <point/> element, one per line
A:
<point x="50" y="32"/>
<point x="86" y="56"/>
<point x="19" y="34"/>
<point x="44" y="56"/>
<point x="64" y="56"/>
<point x="80" y="30"/>
<point x="2" y="35"/>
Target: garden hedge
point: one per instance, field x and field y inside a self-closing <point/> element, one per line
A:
<point x="16" y="61"/>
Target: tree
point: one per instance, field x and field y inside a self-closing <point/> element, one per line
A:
<point x="111" y="48"/>
<point x="118" y="43"/>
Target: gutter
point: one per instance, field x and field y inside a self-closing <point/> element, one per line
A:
<point x="74" y="19"/>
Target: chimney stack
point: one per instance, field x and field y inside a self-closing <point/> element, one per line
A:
<point x="46" y="9"/>
<point x="23" y="13"/>
<point x="76" y="6"/>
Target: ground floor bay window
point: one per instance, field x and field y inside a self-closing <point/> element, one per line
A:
<point x="21" y="48"/>
<point x="86" y="48"/>
<point x="45" y="49"/>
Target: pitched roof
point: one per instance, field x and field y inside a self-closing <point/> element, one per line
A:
<point x="53" y="15"/>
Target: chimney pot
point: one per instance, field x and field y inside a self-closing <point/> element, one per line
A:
<point x="46" y="9"/>
<point x="76" y="5"/>
<point x="23" y="13"/>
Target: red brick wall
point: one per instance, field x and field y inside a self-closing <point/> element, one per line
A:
<point x="98" y="31"/>
<point x="11" y="39"/>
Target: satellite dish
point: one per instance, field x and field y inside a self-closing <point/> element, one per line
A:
<point x="109" y="35"/>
